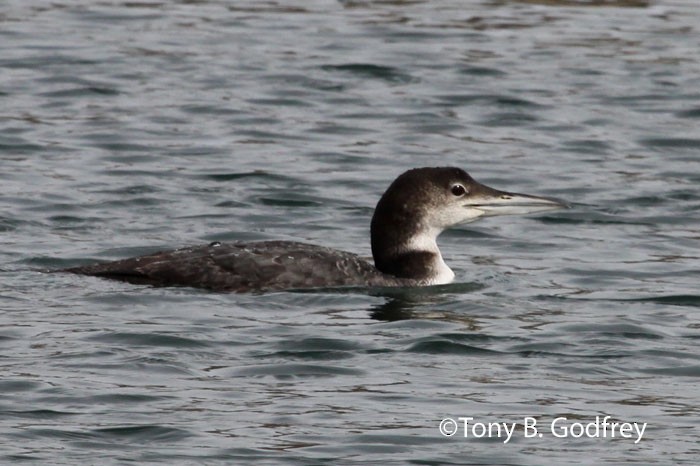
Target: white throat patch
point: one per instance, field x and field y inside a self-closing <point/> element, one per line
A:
<point x="427" y="241"/>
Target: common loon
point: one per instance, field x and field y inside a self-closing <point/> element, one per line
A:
<point x="409" y="217"/>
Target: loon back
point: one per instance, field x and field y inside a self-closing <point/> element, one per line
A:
<point x="245" y="267"/>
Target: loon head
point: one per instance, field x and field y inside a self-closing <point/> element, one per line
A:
<point x="421" y="203"/>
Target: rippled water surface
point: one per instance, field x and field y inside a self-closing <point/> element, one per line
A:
<point x="129" y="127"/>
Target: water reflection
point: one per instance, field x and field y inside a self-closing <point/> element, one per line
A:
<point x="422" y="303"/>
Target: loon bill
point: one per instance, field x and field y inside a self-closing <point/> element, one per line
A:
<point x="419" y="205"/>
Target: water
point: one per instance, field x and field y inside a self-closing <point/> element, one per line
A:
<point x="128" y="127"/>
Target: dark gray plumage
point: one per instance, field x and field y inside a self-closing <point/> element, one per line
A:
<point x="243" y="267"/>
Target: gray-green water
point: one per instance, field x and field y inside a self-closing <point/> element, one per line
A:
<point x="127" y="127"/>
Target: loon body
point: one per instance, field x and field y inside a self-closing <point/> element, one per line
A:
<point x="418" y="206"/>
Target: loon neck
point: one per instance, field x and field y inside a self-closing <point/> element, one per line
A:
<point x="410" y="253"/>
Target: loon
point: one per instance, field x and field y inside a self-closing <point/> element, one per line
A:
<point x="419" y="205"/>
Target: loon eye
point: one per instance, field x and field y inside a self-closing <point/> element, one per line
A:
<point x="458" y="190"/>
